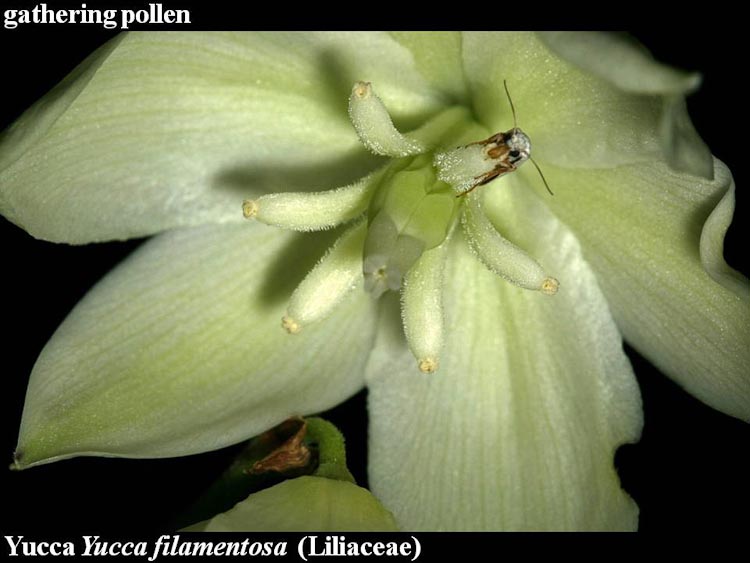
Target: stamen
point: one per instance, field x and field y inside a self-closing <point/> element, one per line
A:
<point x="500" y="255"/>
<point x="422" y="307"/>
<point x="462" y="166"/>
<point x="375" y="127"/>
<point x="301" y="211"/>
<point x="329" y="281"/>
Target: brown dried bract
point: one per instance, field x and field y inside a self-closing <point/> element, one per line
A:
<point x="290" y="454"/>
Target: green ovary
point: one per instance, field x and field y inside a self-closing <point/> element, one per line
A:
<point x="411" y="212"/>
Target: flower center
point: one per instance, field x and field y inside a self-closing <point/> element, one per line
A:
<point x="402" y="218"/>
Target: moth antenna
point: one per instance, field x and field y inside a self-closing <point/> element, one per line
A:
<point x="512" y="107"/>
<point x="546" y="185"/>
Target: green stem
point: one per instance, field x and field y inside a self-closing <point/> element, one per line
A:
<point x="331" y="450"/>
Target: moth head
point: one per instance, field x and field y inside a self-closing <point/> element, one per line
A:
<point x="519" y="146"/>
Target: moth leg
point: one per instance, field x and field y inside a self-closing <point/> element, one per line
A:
<point x="487" y="177"/>
<point x="497" y="138"/>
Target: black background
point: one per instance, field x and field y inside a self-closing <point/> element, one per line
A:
<point x="690" y="470"/>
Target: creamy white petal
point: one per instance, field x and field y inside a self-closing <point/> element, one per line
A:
<point x="164" y="130"/>
<point x="518" y="429"/>
<point x="655" y="239"/>
<point x="438" y="57"/>
<point x="576" y="116"/>
<point x="180" y="350"/>
<point x="620" y="60"/>
<point x="314" y="504"/>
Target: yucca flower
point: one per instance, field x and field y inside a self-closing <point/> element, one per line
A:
<point x="180" y="350"/>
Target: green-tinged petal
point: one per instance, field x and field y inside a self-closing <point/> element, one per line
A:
<point x="304" y="504"/>
<point x="576" y="113"/>
<point x="438" y="57"/>
<point x="618" y="59"/>
<point x="518" y="428"/>
<point x="181" y="350"/>
<point x="166" y="130"/>
<point x="712" y="239"/>
<point x="655" y="239"/>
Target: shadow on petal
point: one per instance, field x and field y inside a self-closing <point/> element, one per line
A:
<point x="338" y="72"/>
<point x="294" y="176"/>
<point x="292" y="262"/>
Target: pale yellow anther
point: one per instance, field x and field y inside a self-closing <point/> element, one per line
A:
<point x="428" y="365"/>
<point x="290" y="325"/>
<point x="249" y="208"/>
<point x="362" y="89"/>
<point x="550" y="286"/>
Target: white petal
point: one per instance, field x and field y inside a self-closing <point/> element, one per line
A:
<point x="655" y="239"/>
<point x="168" y="130"/>
<point x="308" y="503"/>
<point x="621" y="61"/>
<point x="438" y="57"/>
<point x="518" y="429"/>
<point x="574" y="114"/>
<point x="180" y="350"/>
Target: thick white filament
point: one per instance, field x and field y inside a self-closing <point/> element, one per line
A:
<point x="339" y="272"/>
<point x="422" y="307"/>
<point x="375" y="127"/>
<point x="315" y="211"/>
<point x="500" y="255"/>
<point x="461" y="167"/>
